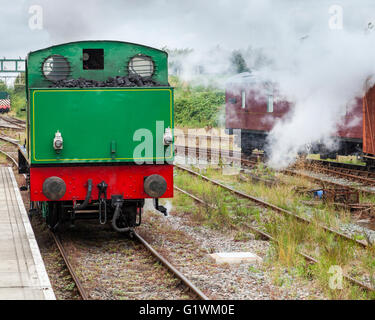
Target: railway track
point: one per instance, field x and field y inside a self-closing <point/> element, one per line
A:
<point x="85" y="295"/>
<point x="82" y="292"/>
<point x="273" y="207"/>
<point x="248" y="163"/>
<point x="362" y="176"/>
<point x="10" y="123"/>
<point x="264" y="234"/>
<point x="10" y="140"/>
<point x="172" y="269"/>
<point x="14" y="120"/>
<point x="12" y="155"/>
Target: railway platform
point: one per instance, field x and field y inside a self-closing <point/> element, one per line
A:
<point x="22" y="272"/>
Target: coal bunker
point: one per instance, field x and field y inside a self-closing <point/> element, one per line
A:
<point x="119" y="81"/>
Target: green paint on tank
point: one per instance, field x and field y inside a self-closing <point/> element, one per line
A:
<point x="100" y="124"/>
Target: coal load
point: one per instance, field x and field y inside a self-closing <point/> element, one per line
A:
<point x="125" y="81"/>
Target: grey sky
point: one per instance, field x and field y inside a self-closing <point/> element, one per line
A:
<point x="174" y="23"/>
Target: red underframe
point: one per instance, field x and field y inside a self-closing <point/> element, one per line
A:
<point x="121" y="180"/>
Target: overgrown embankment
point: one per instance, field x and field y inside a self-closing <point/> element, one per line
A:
<point x="197" y="106"/>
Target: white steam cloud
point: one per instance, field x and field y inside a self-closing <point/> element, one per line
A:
<point x="323" y="76"/>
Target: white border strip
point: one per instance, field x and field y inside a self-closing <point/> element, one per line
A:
<point x="39" y="264"/>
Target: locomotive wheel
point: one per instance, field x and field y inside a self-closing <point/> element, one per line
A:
<point x="54" y="214"/>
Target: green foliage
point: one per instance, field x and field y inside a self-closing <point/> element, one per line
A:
<point x="3" y="86"/>
<point x="18" y="102"/>
<point x="17" y="96"/>
<point x="197" y="106"/>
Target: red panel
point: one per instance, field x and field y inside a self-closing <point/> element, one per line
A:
<point x="352" y="126"/>
<point x="254" y="116"/>
<point x="121" y="180"/>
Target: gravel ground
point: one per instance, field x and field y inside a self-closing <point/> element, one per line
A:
<point x="187" y="246"/>
<point x="111" y="266"/>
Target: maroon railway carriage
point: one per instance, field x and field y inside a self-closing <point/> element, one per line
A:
<point x="254" y="106"/>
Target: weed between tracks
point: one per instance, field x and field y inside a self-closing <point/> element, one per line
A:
<point x="333" y="253"/>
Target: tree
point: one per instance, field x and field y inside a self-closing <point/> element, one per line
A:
<point x="19" y="83"/>
<point x="3" y="86"/>
<point x="238" y="63"/>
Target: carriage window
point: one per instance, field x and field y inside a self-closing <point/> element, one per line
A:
<point x="270" y="104"/>
<point x="243" y="95"/>
<point x="93" y="59"/>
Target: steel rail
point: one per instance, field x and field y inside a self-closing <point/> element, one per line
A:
<point x="10" y="140"/>
<point x="251" y="163"/>
<point x="194" y="197"/>
<point x="331" y="183"/>
<point x="341" y="165"/>
<point x="9" y="156"/>
<point x="79" y="286"/>
<point x="74" y="276"/>
<point x="273" y="207"/>
<point x="269" y="237"/>
<point x="11" y="128"/>
<point x="166" y="263"/>
<point x="17" y="120"/>
<point x="339" y="173"/>
<point x="14" y="121"/>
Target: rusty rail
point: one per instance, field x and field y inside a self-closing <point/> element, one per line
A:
<point x="177" y="273"/>
<point x="326" y="182"/>
<point x="273" y="207"/>
<point x="339" y="172"/>
<point x="75" y="278"/>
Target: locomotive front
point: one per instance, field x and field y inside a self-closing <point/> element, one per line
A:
<point x="99" y="132"/>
